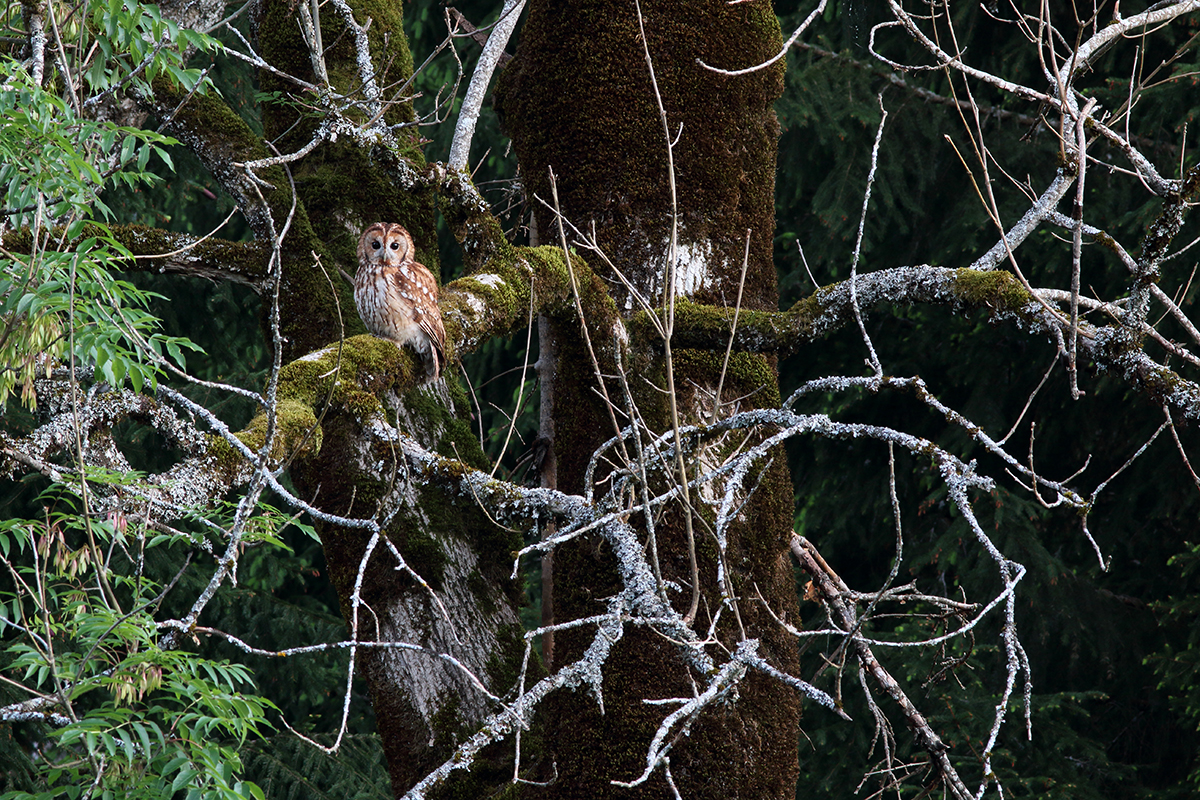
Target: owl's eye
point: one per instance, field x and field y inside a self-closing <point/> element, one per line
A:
<point x="394" y="245"/>
<point x="375" y="244"/>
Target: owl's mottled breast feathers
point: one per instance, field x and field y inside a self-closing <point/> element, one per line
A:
<point x="397" y="298"/>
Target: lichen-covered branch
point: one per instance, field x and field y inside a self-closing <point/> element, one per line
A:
<point x="996" y="292"/>
<point x="831" y="594"/>
<point x="830" y="308"/>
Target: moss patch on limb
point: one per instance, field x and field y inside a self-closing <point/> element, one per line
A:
<point x="495" y="299"/>
<point x="996" y="289"/>
<point x="828" y="309"/>
<point x="357" y="377"/>
<point x="296" y="435"/>
<point x="355" y="384"/>
<point x="710" y="327"/>
<point x="360" y="366"/>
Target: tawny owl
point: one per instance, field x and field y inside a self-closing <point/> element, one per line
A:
<point x="397" y="298"/>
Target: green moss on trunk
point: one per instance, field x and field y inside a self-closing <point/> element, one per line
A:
<point x="578" y="99"/>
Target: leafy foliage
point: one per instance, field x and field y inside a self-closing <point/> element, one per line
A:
<point x="141" y="721"/>
<point x="78" y="601"/>
<point x="63" y="298"/>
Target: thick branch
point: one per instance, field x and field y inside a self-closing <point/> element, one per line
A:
<point x="828" y="309"/>
<point x="200" y="479"/>
<point x="183" y="254"/>
<point x="220" y="138"/>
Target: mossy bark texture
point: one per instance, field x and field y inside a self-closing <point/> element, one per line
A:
<point x="465" y="602"/>
<point x="578" y="99"/>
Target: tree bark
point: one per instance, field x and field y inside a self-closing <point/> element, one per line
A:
<point x="578" y="99"/>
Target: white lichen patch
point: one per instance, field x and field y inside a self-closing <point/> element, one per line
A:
<point x="489" y="279"/>
<point x="317" y="355"/>
<point x="476" y="304"/>
<point x="693" y="269"/>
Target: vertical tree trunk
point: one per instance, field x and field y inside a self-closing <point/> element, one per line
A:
<point x="578" y="99"/>
<point x="464" y="604"/>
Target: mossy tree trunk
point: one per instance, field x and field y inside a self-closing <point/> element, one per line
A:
<point x="579" y="101"/>
<point x="437" y="577"/>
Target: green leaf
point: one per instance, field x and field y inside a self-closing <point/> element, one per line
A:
<point x="166" y="157"/>
<point x="183" y="779"/>
<point x="127" y="146"/>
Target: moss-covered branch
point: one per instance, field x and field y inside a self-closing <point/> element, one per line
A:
<point x="829" y="308"/>
<point x="497" y="298"/>
<point x="999" y="293"/>
<point x="183" y="254"/>
<point x="221" y="139"/>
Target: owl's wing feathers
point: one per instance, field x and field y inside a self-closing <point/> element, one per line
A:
<point x="432" y="325"/>
<point x="425" y="312"/>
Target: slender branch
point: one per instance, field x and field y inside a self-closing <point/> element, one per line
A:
<point x="493" y="51"/>
<point x="926" y="737"/>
